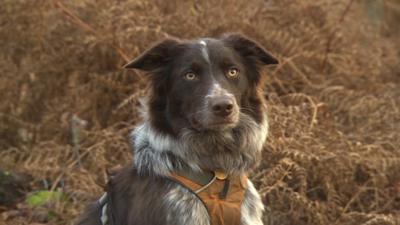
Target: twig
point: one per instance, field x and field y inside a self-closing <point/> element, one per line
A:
<point x="77" y="131"/>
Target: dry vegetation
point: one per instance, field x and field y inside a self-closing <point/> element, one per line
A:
<point x="333" y="154"/>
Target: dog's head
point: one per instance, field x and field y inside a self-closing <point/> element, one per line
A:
<point x="204" y="84"/>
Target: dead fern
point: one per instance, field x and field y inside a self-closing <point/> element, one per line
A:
<point x="333" y="101"/>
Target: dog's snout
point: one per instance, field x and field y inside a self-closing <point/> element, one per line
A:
<point x="222" y="106"/>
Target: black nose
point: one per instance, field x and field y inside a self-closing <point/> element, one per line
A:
<point x="222" y="107"/>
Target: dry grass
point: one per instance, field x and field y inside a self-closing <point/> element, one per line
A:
<point x="332" y="156"/>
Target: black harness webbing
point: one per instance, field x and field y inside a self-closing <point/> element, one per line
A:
<point x="107" y="210"/>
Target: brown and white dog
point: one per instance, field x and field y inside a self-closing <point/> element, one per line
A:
<point x="205" y="113"/>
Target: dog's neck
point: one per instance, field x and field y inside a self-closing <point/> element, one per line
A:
<point x="232" y="151"/>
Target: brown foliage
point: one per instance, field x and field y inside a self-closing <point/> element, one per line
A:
<point x="332" y="156"/>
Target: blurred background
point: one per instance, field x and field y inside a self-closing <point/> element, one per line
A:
<point x="67" y="107"/>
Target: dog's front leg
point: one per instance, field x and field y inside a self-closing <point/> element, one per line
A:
<point x="252" y="207"/>
<point x="184" y="208"/>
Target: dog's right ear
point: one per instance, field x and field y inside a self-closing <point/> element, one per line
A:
<point x="156" y="57"/>
<point x="249" y="48"/>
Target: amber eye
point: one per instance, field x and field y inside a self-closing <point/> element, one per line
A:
<point x="190" y="76"/>
<point x="233" y="72"/>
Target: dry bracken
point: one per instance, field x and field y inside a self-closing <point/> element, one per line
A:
<point x="332" y="156"/>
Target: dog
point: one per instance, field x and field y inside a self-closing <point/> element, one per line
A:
<point x="203" y="130"/>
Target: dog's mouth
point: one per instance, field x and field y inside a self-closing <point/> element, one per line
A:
<point x="217" y="124"/>
<point x="195" y="123"/>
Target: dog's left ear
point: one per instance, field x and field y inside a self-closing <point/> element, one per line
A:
<point x="156" y="57"/>
<point x="249" y="49"/>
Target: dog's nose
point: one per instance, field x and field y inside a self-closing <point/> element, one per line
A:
<point x="222" y="107"/>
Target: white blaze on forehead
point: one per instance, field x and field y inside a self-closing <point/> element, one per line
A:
<point x="217" y="90"/>
<point x="204" y="50"/>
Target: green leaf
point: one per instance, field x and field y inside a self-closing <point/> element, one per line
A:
<point x="42" y="197"/>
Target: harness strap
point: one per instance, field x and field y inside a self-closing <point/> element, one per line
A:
<point x="111" y="211"/>
<point x="103" y="206"/>
<point x="224" y="192"/>
<point x="198" y="187"/>
<point x="202" y="184"/>
<point x="201" y="178"/>
<point x="107" y="211"/>
<point x="222" y="196"/>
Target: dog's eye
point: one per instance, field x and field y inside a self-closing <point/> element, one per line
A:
<point x="190" y="76"/>
<point x="233" y="72"/>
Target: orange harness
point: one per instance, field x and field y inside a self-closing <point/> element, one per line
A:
<point x="222" y="196"/>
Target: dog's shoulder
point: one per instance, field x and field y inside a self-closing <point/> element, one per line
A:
<point x="136" y="198"/>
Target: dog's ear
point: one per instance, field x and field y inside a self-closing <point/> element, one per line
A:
<point x="155" y="57"/>
<point x="249" y="49"/>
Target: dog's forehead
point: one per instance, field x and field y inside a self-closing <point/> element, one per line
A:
<point x="208" y="44"/>
<point x="204" y="50"/>
<point x="208" y="49"/>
